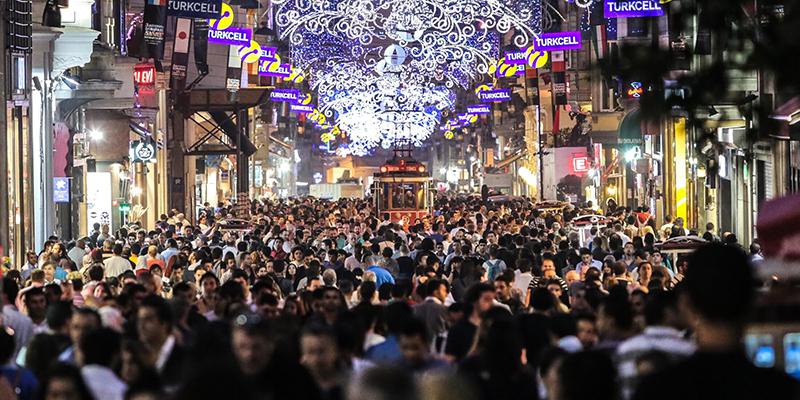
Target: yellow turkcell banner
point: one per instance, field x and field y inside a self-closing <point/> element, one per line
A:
<point x="679" y="125"/>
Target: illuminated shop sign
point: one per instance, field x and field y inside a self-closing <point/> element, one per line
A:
<point x="558" y="41"/>
<point x="301" y="108"/>
<point x="267" y="68"/>
<point x="632" y="8"/>
<point x="268" y="53"/>
<point x="195" y="8"/>
<point x="231" y="36"/>
<point x="144" y="74"/>
<point x="286" y="95"/>
<point x="495" y="96"/>
<point x="516" y="57"/>
<point x="479" y="109"/>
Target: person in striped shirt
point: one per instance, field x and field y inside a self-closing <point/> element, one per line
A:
<point x="662" y="334"/>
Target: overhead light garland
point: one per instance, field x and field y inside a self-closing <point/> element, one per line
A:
<point x="385" y="71"/>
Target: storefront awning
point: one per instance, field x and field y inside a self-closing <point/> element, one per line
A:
<point x="504" y="163"/>
<point x="788" y="117"/>
<point x="630" y="129"/>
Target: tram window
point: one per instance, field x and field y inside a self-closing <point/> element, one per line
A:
<point x="385" y="193"/>
<point x="420" y="198"/>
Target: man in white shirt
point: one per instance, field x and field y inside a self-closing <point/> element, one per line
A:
<point x="662" y="334"/>
<point x="77" y="253"/>
<point x="523" y="278"/>
<point x="116" y="264"/>
<point x="99" y="350"/>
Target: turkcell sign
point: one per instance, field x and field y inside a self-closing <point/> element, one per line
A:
<point x="558" y="41"/>
<point x="283" y="70"/>
<point x="301" y="108"/>
<point x="495" y="96"/>
<point x="479" y="109"/>
<point x="268" y="53"/>
<point x="231" y="36"/>
<point x="632" y="8"/>
<point x="203" y="9"/>
<point x="515" y="57"/>
<point x="285" y="95"/>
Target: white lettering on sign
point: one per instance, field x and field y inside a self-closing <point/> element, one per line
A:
<point x="580" y="164"/>
<point x="494" y="95"/>
<point x="556" y="41"/>
<point x="193" y="7"/>
<point x="641" y="5"/>
<point x="234" y="36"/>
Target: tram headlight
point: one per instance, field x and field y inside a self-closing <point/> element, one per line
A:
<point x="384" y="169"/>
<point x="421" y="168"/>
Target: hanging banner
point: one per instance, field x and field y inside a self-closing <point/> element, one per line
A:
<point x="200" y="39"/>
<point x="231" y="36"/>
<point x="98" y="199"/>
<point x="195" y="8"/>
<point x="557" y="41"/>
<point x="479" y="109"/>
<point x="286" y="95"/>
<point x="515" y="57"/>
<point x="269" y="68"/>
<point x="632" y="8"/>
<point x="61" y="190"/>
<point x="559" y="79"/>
<point x="268" y="53"/>
<point x="495" y="95"/>
<point x="180" y="55"/>
<point x="532" y="87"/>
<point x="233" y="76"/>
<point x="301" y="108"/>
<point x="155" y="20"/>
<point x="144" y="85"/>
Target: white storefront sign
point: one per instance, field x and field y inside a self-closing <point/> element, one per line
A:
<point x="98" y="199"/>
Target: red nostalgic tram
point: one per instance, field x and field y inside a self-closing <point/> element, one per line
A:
<point x="403" y="188"/>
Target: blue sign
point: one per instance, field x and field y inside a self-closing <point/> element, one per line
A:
<point x="515" y="57"/>
<point x="301" y="108"/>
<point x="632" y="8"/>
<point x="495" y="96"/>
<point x="61" y="190"/>
<point x="479" y="109"/>
<point x="203" y="9"/>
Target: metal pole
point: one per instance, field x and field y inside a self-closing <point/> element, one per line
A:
<point x="541" y="151"/>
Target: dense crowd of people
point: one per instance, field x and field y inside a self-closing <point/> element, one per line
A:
<point x="315" y="299"/>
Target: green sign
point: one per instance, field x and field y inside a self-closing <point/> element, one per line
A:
<point x="124" y="207"/>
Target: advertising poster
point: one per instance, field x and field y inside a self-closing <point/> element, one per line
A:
<point x="98" y="199"/>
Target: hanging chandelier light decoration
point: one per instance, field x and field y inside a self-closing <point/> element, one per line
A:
<point x="386" y="71"/>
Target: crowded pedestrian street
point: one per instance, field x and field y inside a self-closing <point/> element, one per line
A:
<point x="400" y="200"/>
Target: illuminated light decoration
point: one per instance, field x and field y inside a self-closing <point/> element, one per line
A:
<point x="231" y="36"/>
<point x="584" y="3"/>
<point x="297" y="75"/>
<point x="632" y="9"/>
<point x="636" y="90"/>
<point x="558" y="41"/>
<point x="384" y="70"/>
<point x="225" y="20"/>
<point x="250" y="54"/>
<point x="495" y="96"/>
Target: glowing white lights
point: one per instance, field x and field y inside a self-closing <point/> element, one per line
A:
<point x="385" y="70"/>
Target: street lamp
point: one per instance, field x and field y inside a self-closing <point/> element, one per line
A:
<point x="95" y="134"/>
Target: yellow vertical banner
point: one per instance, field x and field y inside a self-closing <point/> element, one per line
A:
<point x="680" y="167"/>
